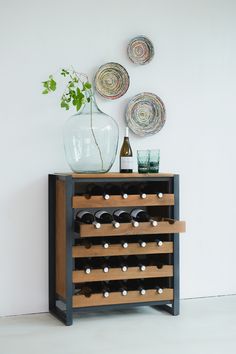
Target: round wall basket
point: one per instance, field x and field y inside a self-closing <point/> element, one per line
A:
<point x="140" y="50"/>
<point x="145" y="114"/>
<point x="112" y="81"/>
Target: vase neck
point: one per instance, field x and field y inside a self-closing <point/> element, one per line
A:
<point x="90" y="107"/>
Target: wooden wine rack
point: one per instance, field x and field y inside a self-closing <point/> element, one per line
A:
<point x="66" y="247"/>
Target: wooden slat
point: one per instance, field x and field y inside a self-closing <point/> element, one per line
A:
<point x="79" y="276"/>
<point x="120" y="175"/>
<point x="117" y="298"/>
<point x="144" y="228"/>
<point x="60" y="239"/>
<point x="117" y="200"/>
<point x="118" y="250"/>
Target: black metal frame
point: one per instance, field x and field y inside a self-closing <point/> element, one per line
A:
<point x="66" y="316"/>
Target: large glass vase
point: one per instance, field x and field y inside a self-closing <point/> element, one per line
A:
<point x="90" y="140"/>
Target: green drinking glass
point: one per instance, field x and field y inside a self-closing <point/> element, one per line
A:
<point x="154" y="161"/>
<point x="143" y="161"/>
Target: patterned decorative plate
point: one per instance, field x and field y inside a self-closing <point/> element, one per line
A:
<point x="112" y="81"/>
<point x="140" y="50"/>
<point x="145" y="114"/>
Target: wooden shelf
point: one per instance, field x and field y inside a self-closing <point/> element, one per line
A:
<point x="145" y="228"/>
<point x="117" y="298"/>
<point x="117" y="201"/>
<point x="120" y="175"/>
<point x="79" y="276"/>
<point x="118" y="250"/>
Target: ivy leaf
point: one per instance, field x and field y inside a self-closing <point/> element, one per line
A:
<point x="78" y="106"/>
<point x="87" y="85"/>
<point x="46" y="84"/>
<point x="45" y="92"/>
<point x="53" y="85"/>
<point x="64" y="105"/>
<point x="71" y="84"/>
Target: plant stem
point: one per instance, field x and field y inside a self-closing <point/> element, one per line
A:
<point x="91" y="126"/>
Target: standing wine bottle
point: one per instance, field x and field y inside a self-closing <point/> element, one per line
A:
<point x="126" y="155"/>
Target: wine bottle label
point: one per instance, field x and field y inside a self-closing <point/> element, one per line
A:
<point x="135" y="212"/>
<point x="126" y="163"/>
<point x="100" y="213"/>
<point x="119" y="212"/>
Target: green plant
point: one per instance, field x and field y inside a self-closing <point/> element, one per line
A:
<point x="78" y="89"/>
<point x="77" y="93"/>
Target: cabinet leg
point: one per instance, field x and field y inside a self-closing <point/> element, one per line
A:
<point x="64" y="317"/>
<point x="172" y="309"/>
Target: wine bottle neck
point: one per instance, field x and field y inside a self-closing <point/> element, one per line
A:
<point x="127" y="132"/>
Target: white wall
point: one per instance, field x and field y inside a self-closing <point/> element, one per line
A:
<point x="193" y="72"/>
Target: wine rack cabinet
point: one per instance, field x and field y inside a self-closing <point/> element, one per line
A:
<point x="69" y="249"/>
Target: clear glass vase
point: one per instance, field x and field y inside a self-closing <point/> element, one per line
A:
<point x="90" y="140"/>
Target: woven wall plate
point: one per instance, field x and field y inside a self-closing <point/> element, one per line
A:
<point x="112" y="81"/>
<point x="140" y="50"/>
<point x="145" y="114"/>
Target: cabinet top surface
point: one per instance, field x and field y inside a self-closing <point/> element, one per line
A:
<point x="115" y="175"/>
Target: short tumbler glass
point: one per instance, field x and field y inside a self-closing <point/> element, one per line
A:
<point x="143" y="161"/>
<point x="154" y="161"/>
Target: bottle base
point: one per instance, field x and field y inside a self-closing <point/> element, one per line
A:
<point x="126" y="171"/>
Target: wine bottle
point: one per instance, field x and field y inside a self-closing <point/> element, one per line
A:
<point x="121" y="216"/>
<point x="105" y="289"/>
<point x="86" y="244"/>
<point x="119" y="262"/>
<point x="141" y="266"/>
<point x="87" y="268"/>
<point x="85" y="217"/>
<point x="158" y="289"/>
<point x="159" y="242"/>
<point x="141" y="216"/>
<point x="85" y="290"/>
<point x="136" y="261"/>
<point x="124" y="244"/>
<point x="105" y="267"/>
<point x="112" y="189"/>
<point x="140" y="287"/>
<point x="94" y="189"/>
<point x="142" y="243"/>
<point x="122" y="288"/>
<point x="103" y="217"/>
<point x="142" y="191"/>
<point x="123" y="266"/>
<point x="126" y="155"/>
<point x="105" y="244"/>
